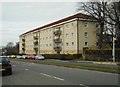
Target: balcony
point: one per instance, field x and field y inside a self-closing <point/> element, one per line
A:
<point x="97" y="32"/>
<point x="36" y="43"/>
<point x="35" y="37"/>
<point x="23" y="40"/>
<point x="35" y="48"/>
<point x="57" y="47"/>
<point x="57" y="40"/>
<point x="23" y="44"/>
<point x="23" y="49"/>
<point x="57" y="31"/>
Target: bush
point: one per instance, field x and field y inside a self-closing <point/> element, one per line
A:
<point x="62" y="56"/>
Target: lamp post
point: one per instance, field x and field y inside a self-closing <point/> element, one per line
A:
<point x="113" y="50"/>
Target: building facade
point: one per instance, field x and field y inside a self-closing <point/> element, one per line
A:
<point x="66" y="36"/>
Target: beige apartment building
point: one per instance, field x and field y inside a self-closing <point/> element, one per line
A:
<point x="66" y="36"/>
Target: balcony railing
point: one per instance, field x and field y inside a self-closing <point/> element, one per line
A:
<point x="23" y="44"/>
<point x="57" y="40"/>
<point x="36" y="43"/>
<point x="23" y="49"/>
<point x="57" y="31"/>
<point x="35" y="37"/>
<point x="35" y="48"/>
<point x="58" y="47"/>
<point x="97" y="32"/>
<point x="23" y="40"/>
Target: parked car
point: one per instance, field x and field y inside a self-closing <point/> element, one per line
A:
<point x="31" y="57"/>
<point x="24" y="57"/>
<point x="5" y="65"/>
<point x="18" y="57"/>
<point x="12" y="56"/>
<point x="39" y="57"/>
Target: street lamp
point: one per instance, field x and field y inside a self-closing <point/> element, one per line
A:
<point x="113" y="50"/>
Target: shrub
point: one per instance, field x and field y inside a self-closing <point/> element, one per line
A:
<point x="62" y="56"/>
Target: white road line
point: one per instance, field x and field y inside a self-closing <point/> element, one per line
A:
<point x="14" y="65"/>
<point x="45" y="75"/>
<point x="52" y="76"/>
<point x="58" y="78"/>
<point x="84" y="85"/>
<point x="26" y="69"/>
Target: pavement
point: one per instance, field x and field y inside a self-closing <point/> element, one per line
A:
<point x="26" y="73"/>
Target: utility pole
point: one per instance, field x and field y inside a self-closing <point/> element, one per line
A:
<point x="113" y="50"/>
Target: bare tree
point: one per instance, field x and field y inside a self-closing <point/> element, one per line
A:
<point x="107" y="15"/>
<point x="11" y="49"/>
<point x="10" y="44"/>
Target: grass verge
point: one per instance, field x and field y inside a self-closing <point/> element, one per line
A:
<point x="78" y="66"/>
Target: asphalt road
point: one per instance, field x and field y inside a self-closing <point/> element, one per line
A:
<point x="38" y="74"/>
<point x="88" y="63"/>
<point x="83" y="63"/>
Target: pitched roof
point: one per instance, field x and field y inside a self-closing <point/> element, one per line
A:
<point x="78" y="15"/>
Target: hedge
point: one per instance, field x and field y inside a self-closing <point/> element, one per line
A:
<point x="62" y="56"/>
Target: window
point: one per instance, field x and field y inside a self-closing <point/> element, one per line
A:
<point x="66" y="25"/>
<point x="66" y="44"/>
<point x="61" y="28"/>
<point x="72" y="24"/>
<point x="86" y="24"/>
<point x="46" y="37"/>
<point x="49" y="44"/>
<point x="72" y="34"/>
<point x="46" y="44"/>
<point x="50" y="37"/>
<point x="86" y="43"/>
<point x="97" y="25"/>
<point x="66" y="35"/>
<point x="72" y="43"/>
<point x="86" y="34"/>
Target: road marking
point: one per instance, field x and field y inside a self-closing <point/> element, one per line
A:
<point x="52" y="76"/>
<point x="14" y="65"/>
<point x="84" y="85"/>
<point x="58" y="78"/>
<point x="26" y="69"/>
<point x="33" y="63"/>
<point x="45" y="75"/>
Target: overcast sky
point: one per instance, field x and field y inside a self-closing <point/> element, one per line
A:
<point x="20" y="17"/>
